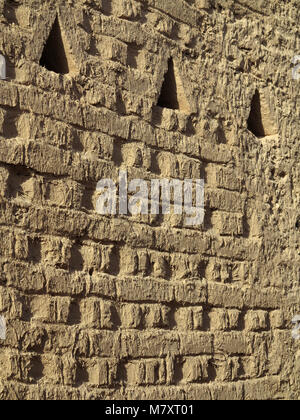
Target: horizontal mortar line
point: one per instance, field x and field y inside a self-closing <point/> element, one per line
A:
<point x="80" y="100"/>
<point x="117" y="299"/>
<point x="20" y="230"/>
<point x="164" y="37"/>
<point x="119" y="358"/>
<point x="101" y="218"/>
<point x="174" y="43"/>
<point x="61" y="386"/>
<point x="152" y="8"/>
<point x="66" y="176"/>
<point x="119" y="332"/>
<point x="80" y="327"/>
<point x="190" y="156"/>
<point x="255" y="11"/>
<point x="86" y="236"/>
<point x="172" y="304"/>
<point x="154" y="387"/>
<point x="236" y="260"/>
<point x="120" y="243"/>
<point x="39" y="141"/>
<point x="175" y="332"/>
<point x="283" y="91"/>
<point x="83" y="126"/>
<point x="126" y="359"/>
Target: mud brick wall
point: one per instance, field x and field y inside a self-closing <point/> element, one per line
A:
<point x="146" y="307"/>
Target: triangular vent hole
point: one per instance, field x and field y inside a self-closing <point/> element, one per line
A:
<point x="260" y="121"/>
<point x="172" y="94"/>
<point x="56" y="55"/>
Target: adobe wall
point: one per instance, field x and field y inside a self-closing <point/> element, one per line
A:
<point x="145" y="307"/>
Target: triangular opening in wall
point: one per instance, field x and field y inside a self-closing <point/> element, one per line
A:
<point x="260" y="121"/>
<point x="172" y="94"/>
<point x="56" y="55"/>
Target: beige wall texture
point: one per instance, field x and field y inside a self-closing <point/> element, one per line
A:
<point x="145" y="307"/>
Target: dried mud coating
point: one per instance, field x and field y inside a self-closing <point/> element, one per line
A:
<point x="145" y="307"/>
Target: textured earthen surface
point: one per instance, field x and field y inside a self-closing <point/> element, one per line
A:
<point x="145" y="307"/>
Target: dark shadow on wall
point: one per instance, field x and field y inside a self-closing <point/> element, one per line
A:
<point x="55" y="56"/>
<point x="255" y="124"/>
<point x="168" y="96"/>
<point x="261" y="121"/>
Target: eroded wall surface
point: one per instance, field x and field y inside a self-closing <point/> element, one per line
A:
<point x="144" y="307"/>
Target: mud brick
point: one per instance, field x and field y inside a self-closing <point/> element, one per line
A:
<point x="227" y="296"/>
<point x="131" y="316"/>
<point x="232" y="343"/>
<point x="61" y="281"/>
<point x="98" y="372"/>
<point x="227" y="392"/>
<point x="9" y="94"/>
<point x="149" y="344"/>
<point x="102" y="285"/>
<point x="196" y="343"/>
<point x="191" y="292"/>
<point x="90" y="313"/>
<point x="256" y="320"/>
<point x="277" y="319"/>
<point x="228" y="223"/>
<point x="145" y="290"/>
<point x="103" y="344"/>
<point x="55" y="310"/>
<point x="112" y="49"/>
<point x="260" y="389"/>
